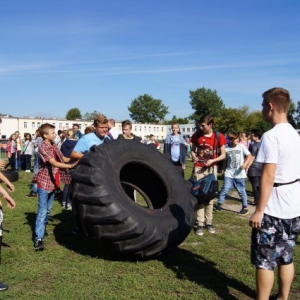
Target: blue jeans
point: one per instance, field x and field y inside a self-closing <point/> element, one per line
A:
<point x="45" y="203"/>
<point x="230" y="183"/>
<point x="36" y="163"/>
<point x="18" y="160"/>
<point x="34" y="188"/>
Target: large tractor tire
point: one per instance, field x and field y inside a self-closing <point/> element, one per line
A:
<point x="160" y="219"/>
<point x="12" y="176"/>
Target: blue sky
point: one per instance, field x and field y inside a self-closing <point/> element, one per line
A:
<point x="100" y="55"/>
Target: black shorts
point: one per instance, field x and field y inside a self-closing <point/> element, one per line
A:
<point x="273" y="243"/>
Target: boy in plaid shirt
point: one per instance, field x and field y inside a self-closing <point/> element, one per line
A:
<point x="52" y="170"/>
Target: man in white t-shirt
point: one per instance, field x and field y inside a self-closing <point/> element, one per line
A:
<point x="276" y="220"/>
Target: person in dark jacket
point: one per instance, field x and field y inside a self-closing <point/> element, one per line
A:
<point x="255" y="169"/>
<point x="66" y="148"/>
<point x="176" y="146"/>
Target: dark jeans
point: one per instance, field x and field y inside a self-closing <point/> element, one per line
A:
<point x="27" y="158"/>
<point x="11" y="162"/>
<point x="255" y="181"/>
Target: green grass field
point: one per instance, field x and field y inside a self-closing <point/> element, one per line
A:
<point x="215" y="266"/>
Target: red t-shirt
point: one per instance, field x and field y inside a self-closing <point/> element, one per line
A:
<point x="207" y="147"/>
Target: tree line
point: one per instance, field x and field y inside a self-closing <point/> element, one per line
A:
<point x="146" y="109"/>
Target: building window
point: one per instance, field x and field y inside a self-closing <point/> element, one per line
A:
<point x="154" y="128"/>
<point x="38" y="124"/>
<point x="67" y="125"/>
<point x="188" y="129"/>
<point x="162" y="129"/>
<point x="149" y="128"/>
<point x="60" y="125"/>
<point x="135" y="128"/>
<point x="25" y="124"/>
<point x="145" y="128"/>
<point x="140" y="128"/>
<point x="33" y="125"/>
<point x="183" y="129"/>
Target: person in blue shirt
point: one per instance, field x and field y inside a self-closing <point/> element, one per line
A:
<point x="93" y="138"/>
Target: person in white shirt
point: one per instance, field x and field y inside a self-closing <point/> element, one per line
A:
<point x="276" y="220"/>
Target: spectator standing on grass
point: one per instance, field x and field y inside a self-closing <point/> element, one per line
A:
<point x="19" y="143"/>
<point x="238" y="158"/>
<point x="48" y="180"/>
<point x="113" y="132"/>
<point x="152" y="140"/>
<point x="175" y="146"/>
<point x="11" y="152"/>
<point x="255" y="169"/>
<point x="66" y="149"/>
<point x="205" y="144"/>
<point x="28" y="150"/>
<point x="78" y="133"/>
<point x="276" y="220"/>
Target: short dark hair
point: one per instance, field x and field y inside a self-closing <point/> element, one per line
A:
<point x="207" y="119"/>
<point x="44" y="128"/>
<point x="126" y="123"/>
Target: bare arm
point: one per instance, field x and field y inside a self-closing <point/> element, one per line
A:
<point x="266" y="186"/>
<point x="61" y="165"/>
<point x="9" y="185"/>
<point x="76" y="155"/>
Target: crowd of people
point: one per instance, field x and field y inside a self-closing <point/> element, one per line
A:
<point x="268" y="161"/>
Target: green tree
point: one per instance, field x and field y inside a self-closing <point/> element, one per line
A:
<point x="205" y="101"/>
<point x="291" y="116"/>
<point x="231" y="121"/>
<point x="178" y="120"/>
<point x="146" y="109"/>
<point x="90" y="116"/>
<point x="73" y="114"/>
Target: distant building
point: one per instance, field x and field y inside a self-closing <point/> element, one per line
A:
<point x="30" y="125"/>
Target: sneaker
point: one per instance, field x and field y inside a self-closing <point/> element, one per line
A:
<point x="69" y="207"/>
<point x="219" y="207"/>
<point x="39" y="245"/>
<point x="3" y="286"/>
<point x="63" y="204"/>
<point x="31" y="195"/>
<point x="210" y="228"/>
<point x="243" y="212"/>
<point x="199" y="230"/>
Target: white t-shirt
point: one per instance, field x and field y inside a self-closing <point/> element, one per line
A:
<point x="281" y="146"/>
<point x="235" y="157"/>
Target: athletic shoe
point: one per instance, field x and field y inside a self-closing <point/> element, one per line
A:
<point x="199" y="230"/>
<point x="210" y="228"/>
<point x="243" y="212"/>
<point x="31" y="195"/>
<point x="69" y="207"/>
<point x="3" y="286"/>
<point x="219" y="207"/>
<point x="39" y="245"/>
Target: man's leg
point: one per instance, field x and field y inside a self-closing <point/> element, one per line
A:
<point x="264" y="283"/>
<point x="285" y="279"/>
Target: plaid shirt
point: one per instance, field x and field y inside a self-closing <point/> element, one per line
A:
<point x="46" y="176"/>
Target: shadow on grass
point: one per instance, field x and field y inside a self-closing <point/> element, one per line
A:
<point x="75" y="242"/>
<point x="196" y="268"/>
